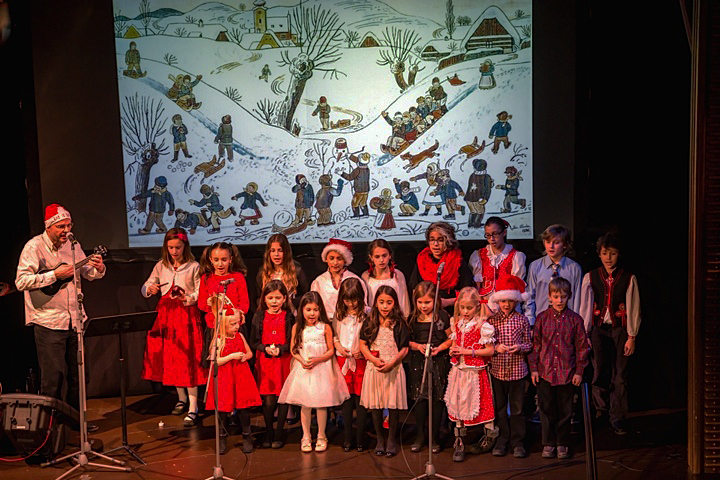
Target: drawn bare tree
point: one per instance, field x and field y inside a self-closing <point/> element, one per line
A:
<point x="449" y="18"/>
<point x="319" y="37"/>
<point x="145" y="17"/>
<point x="400" y="43"/>
<point x="143" y="122"/>
<point x="351" y="37"/>
<point x="120" y="24"/>
<point x="317" y="158"/>
<point x="268" y="110"/>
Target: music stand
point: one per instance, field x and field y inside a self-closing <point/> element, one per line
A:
<point x="121" y="324"/>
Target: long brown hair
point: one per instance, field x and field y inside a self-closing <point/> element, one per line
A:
<point x="421" y="289"/>
<point x="236" y="262"/>
<point x="380" y="243"/>
<point x="309" y="297"/>
<point x="372" y="326"/>
<point x="275" y="286"/>
<point x="350" y="289"/>
<point x="289" y="272"/>
<point x="181" y="235"/>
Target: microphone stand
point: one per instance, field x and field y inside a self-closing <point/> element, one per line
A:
<point x="427" y="371"/>
<point x="81" y="456"/>
<point x="218" y="473"/>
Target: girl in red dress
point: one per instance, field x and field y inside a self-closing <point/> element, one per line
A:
<point x="469" y="392"/>
<point x="236" y="385"/>
<point x="350" y="314"/>
<point x="270" y="336"/>
<point x="174" y="344"/>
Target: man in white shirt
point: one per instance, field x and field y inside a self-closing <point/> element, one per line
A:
<point x="54" y="317"/>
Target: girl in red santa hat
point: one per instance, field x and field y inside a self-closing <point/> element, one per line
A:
<point x="338" y="255"/>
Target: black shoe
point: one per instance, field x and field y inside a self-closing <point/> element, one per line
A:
<point x="347" y="447"/>
<point x="360" y="448"/>
<point x="499" y="451"/>
<point x="436" y="447"/>
<point x="267" y="440"/>
<point x="179" y="408"/>
<point x="520" y="452"/>
<point x="277" y="444"/>
<point x="190" y="420"/>
<point x="417" y="444"/>
<point x="618" y="427"/>
<point x="380" y="447"/>
<point x="223" y="444"/>
<point x="459" y="453"/>
<point x="391" y="449"/>
<point x="91" y="427"/>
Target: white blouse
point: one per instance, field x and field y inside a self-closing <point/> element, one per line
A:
<point x="186" y="276"/>
<point x="397" y="282"/>
<point x="324" y="286"/>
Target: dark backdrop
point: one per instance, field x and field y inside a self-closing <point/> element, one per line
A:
<point x="615" y="93"/>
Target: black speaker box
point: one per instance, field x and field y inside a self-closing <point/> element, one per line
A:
<point x="31" y="421"/>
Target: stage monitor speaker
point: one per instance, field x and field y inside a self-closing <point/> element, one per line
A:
<point x="31" y="421"/>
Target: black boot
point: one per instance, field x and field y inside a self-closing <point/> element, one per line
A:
<point x="248" y="445"/>
<point x="356" y="212"/>
<point x="471" y="221"/>
<point x="175" y="156"/>
<point x="365" y="211"/>
<point x="459" y="453"/>
<point x="223" y="443"/>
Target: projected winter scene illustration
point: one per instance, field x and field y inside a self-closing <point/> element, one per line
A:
<point x="327" y="118"/>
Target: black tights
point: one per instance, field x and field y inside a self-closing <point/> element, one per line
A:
<point x="421" y="416"/>
<point x="244" y="417"/>
<point x="377" y="417"/>
<point x="270" y="403"/>
<point x="347" y="413"/>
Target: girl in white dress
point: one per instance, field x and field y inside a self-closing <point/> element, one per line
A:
<point x="315" y="380"/>
<point x="382" y="271"/>
<point x="384" y="343"/>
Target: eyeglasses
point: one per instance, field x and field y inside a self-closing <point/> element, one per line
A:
<point x="67" y="227"/>
<point x="488" y="236"/>
<point x="436" y="240"/>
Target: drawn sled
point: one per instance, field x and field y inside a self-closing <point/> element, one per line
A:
<point x="211" y="167"/>
<point x="455" y="80"/>
<point x="134" y="74"/>
<point x="473" y="149"/>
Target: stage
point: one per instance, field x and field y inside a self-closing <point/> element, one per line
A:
<point x="655" y="448"/>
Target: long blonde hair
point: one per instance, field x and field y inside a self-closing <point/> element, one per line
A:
<point x="289" y="272"/>
<point x="466" y="294"/>
<point x="223" y="322"/>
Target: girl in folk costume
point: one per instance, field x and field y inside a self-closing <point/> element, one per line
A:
<point x="278" y="264"/>
<point x="384" y="343"/>
<point x="469" y="393"/>
<point x="236" y="385"/>
<point x="270" y="336"/>
<point x="315" y="380"/>
<point x="350" y="316"/>
<point x="443" y="249"/>
<point x="174" y="344"/>
<point x="384" y="219"/>
<point x="423" y="326"/>
<point x="496" y="260"/>
<point x="338" y="255"/>
<point x="223" y="275"/>
<point x="382" y="271"/>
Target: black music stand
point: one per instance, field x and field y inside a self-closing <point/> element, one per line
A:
<point x="121" y="324"/>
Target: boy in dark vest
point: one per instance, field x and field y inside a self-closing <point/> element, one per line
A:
<point x="610" y="307"/>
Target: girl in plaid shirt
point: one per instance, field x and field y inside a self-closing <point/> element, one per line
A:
<point x="508" y="368"/>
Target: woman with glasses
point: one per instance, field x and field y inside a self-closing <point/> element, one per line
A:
<point x="442" y="248"/>
<point x="495" y="260"/>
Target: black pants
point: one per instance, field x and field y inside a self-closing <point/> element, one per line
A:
<point x="610" y="378"/>
<point x="57" y="352"/>
<point x="556" y="406"/>
<point x="511" y="392"/>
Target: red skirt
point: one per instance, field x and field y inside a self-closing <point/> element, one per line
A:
<point x="354" y="379"/>
<point x="236" y="386"/>
<point x="271" y="372"/>
<point x="388" y="222"/>
<point x="487" y="408"/>
<point x="174" y="345"/>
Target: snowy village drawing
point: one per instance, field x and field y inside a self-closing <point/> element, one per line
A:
<point x="324" y="118"/>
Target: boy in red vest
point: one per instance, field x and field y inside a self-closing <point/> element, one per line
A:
<point x="610" y="306"/>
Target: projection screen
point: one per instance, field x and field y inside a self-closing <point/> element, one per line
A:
<point x="355" y="119"/>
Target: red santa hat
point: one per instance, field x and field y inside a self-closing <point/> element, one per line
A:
<point x="508" y="287"/>
<point x="341" y="246"/>
<point x="55" y="213"/>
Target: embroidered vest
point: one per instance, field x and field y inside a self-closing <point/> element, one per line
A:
<point x="609" y="295"/>
<point x="491" y="274"/>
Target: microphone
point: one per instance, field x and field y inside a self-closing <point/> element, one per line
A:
<point x="440" y="269"/>
<point x="72" y="239"/>
<point x="227" y="282"/>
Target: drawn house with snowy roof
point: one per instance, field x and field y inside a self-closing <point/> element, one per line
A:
<point x="492" y="33"/>
<point x="369" y="40"/>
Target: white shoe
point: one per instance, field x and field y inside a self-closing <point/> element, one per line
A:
<point x="306" y="445"/>
<point x="321" y="444"/>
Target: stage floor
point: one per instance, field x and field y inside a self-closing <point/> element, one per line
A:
<point x="655" y="448"/>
